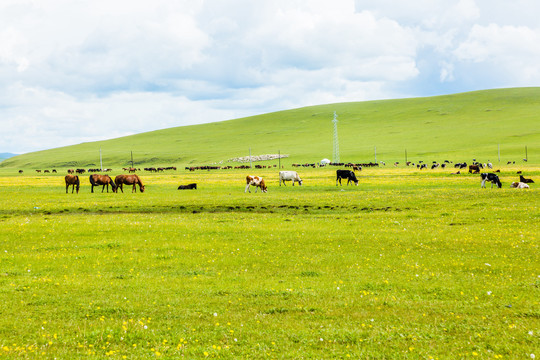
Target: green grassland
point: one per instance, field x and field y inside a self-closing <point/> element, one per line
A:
<point x="455" y="127"/>
<point x="408" y="265"/>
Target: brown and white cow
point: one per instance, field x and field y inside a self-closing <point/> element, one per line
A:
<point x="256" y="181"/>
<point x="520" y="185"/>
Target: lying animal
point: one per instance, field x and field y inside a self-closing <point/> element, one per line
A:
<point x="519" y="185"/>
<point x="526" y="181"/>
<point x="188" y="187"/>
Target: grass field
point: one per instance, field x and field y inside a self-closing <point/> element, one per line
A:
<point x="408" y="265"/>
<point x="460" y="127"/>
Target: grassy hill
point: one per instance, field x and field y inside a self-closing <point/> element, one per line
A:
<point x="455" y="127"/>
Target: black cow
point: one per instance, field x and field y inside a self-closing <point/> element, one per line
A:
<point x="525" y="180"/>
<point x="346" y="174"/>
<point x="188" y="187"/>
<point x="494" y="179"/>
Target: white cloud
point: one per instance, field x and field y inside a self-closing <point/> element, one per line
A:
<point x="512" y="50"/>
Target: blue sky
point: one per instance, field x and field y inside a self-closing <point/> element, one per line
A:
<point x="76" y="71"/>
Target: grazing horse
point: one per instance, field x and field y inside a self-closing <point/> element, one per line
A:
<point x="105" y="180"/>
<point x="133" y="179"/>
<point x="256" y="181"/>
<point x="72" y="180"/>
<point x="494" y="179"/>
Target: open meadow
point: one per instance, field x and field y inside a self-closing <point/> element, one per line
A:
<point x="407" y="265"/>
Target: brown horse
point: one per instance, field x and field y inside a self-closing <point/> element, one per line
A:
<point x="133" y="179"/>
<point x="105" y="180"/>
<point x="72" y="180"/>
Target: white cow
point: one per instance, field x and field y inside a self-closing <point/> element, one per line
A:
<point x="520" y="185"/>
<point x="289" y="176"/>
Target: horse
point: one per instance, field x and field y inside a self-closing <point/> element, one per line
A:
<point x="133" y="179"/>
<point x="105" y="180"/>
<point x="72" y="180"/>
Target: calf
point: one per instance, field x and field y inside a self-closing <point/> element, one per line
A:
<point x="494" y="179"/>
<point x="188" y="187"/>
<point x="519" y="185"/>
<point x="524" y="180"/>
<point x="256" y="181"/>
<point x="346" y="174"/>
<point x="289" y="176"/>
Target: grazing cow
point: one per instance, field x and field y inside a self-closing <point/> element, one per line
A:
<point x="519" y="185"/>
<point x="493" y="178"/>
<point x="188" y="187"/>
<point x="289" y="176"/>
<point x="474" y="169"/>
<point x="256" y="181"/>
<point x="490" y="165"/>
<point x="20" y="171"/>
<point x="524" y="180"/>
<point x="346" y="174"/>
<point x="72" y="180"/>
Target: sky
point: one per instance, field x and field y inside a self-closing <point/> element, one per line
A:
<point x="74" y="71"/>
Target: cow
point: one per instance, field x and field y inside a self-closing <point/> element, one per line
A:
<point x="256" y="181"/>
<point x="474" y="169"/>
<point x="346" y="174"/>
<point x="493" y="178"/>
<point x="188" y="187"/>
<point x="525" y="180"/>
<point x="289" y="176"/>
<point x="519" y="185"/>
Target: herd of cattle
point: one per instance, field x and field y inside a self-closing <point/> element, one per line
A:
<point x="259" y="183"/>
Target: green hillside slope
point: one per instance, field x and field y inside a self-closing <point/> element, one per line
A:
<point x="455" y="127"/>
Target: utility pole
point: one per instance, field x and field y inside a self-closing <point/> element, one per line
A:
<point x="100" y="160"/>
<point x="336" y="140"/>
<point x="250" y="165"/>
<point x="132" y="159"/>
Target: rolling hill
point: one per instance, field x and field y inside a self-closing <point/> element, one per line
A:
<point x="455" y="127"/>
